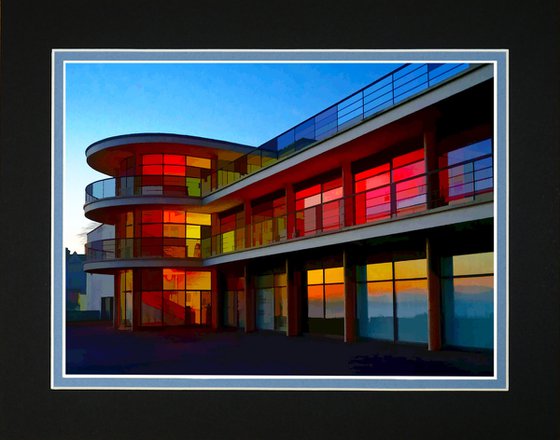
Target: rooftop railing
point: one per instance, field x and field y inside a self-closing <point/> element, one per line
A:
<point x="387" y="91"/>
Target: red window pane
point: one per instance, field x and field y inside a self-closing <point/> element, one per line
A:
<point x="308" y="192"/>
<point x="327" y="186"/>
<point x="155" y="230"/>
<point x="173" y="159"/>
<point x="332" y="194"/>
<point x="173" y="170"/>
<point x="407" y="171"/>
<point x="152" y="169"/>
<point x="152" y="159"/>
<point x="152" y="216"/>
<point x="411" y="157"/>
<point x="172" y="216"/>
<point x="372" y="172"/>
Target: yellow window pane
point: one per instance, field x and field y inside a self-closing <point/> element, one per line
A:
<point x="193" y="231"/>
<point x="198" y="218"/>
<point x="199" y="162"/>
<point x="379" y="271"/>
<point x="410" y="269"/>
<point x="473" y="264"/>
<point x="315" y="276"/>
<point x="201" y="280"/>
<point x="334" y="275"/>
<point x="228" y="241"/>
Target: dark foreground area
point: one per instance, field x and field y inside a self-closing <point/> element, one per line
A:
<point x="96" y="348"/>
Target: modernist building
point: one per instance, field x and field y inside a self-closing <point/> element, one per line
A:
<point x="371" y="219"/>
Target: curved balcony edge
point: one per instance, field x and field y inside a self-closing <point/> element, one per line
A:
<point x="108" y="266"/>
<point x="116" y="202"/>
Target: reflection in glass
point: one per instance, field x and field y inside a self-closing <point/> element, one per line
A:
<point x="265" y="309"/>
<point x="412" y="310"/>
<point x="375" y="310"/>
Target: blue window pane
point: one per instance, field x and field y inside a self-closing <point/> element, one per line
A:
<point x="412" y="310"/>
<point x="375" y="310"/>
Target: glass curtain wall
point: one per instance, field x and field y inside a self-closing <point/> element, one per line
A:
<point x="232" y="232"/>
<point x="468" y="300"/>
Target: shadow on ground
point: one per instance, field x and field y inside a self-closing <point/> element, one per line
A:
<point x="96" y="348"/>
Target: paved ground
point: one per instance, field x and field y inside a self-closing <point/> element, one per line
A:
<point x="96" y="348"/>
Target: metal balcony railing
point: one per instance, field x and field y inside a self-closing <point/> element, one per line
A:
<point x="456" y="184"/>
<point x="389" y="90"/>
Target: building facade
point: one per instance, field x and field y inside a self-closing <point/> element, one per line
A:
<point x="372" y="219"/>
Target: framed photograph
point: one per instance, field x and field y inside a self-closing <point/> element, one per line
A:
<point x="280" y="220"/>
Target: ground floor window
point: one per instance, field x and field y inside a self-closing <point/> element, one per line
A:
<point x="272" y="301"/>
<point x="325" y="300"/>
<point x="234" y="302"/>
<point x="468" y="300"/>
<point x="392" y="300"/>
<point x="173" y="297"/>
<point x="124" y="282"/>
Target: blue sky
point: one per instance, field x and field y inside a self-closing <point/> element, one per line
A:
<point x="248" y="103"/>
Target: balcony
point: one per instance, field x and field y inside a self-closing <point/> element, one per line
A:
<point x="469" y="181"/>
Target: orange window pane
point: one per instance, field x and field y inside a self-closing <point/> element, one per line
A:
<point x="173" y="279"/>
<point x="334" y="275"/>
<point x="173" y="159"/>
<point x="411" y="269"/>
<point x="174" y="230"/>
<point x="379" y="271"/>
<point x="315" y="276"/>
<point x="173" y="216"/>
<point x="201" y="280"/>
<point x="198" y="218"/>
<point x="152" y="159"/>
<point x="199" y="162"/>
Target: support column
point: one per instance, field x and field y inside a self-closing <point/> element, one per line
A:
<point x="248" y="230"/>
<point x="116" y="301"/>
<point x="249" y="301"/>
<point x="434" y="297"/>
<point x="347" y="192"/>
<point x="430" y="154"/>
<point x="290" y="211"/>
<point x="293" y="279"/>
<point x="136" y="299"/>
<point x="350" y="321"/>
<point x="215" y="299"/>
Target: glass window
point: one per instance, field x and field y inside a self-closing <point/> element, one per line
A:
<point x="199" y="162"/>
<point x="375" y="310"/>
<point x="412" y="310"/>
<point x="173" y="279"/>
<point x="200" y="280"/>
<point x="334" y="275"/>
<point x="315" y="301"/>
<point x="173" y="308"/>
<point x="411" y="269"/>
<point x="198" y="218"/>
<point x="379" y="271"/>
<point x="172" y="216"/>
<point x="152" y="308"/>
<point x="315" y="276"/>
<point x="334" y="301"/>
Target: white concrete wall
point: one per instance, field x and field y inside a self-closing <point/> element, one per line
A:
<point x="97" y="286"/>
